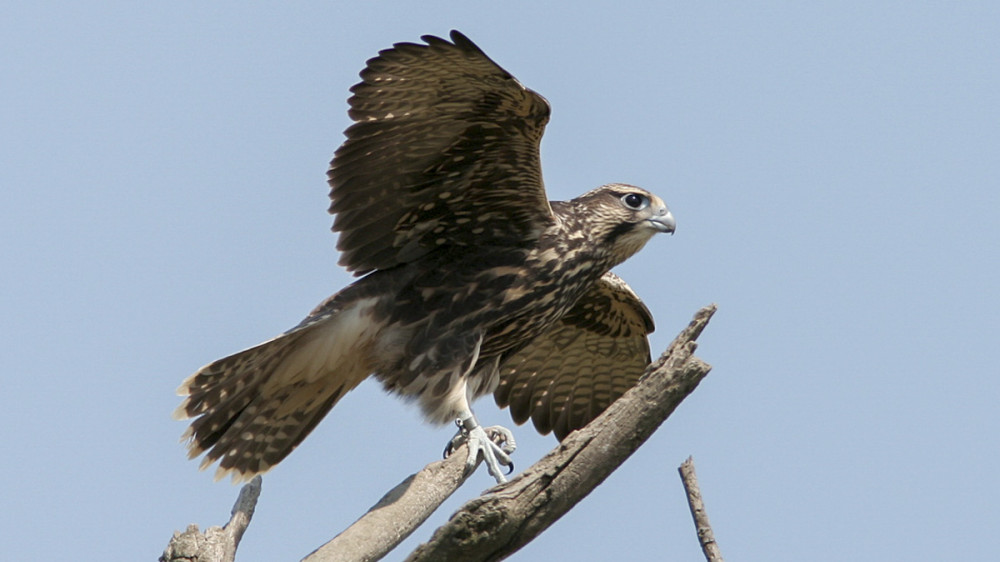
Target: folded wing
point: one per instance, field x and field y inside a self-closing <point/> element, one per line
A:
<point x="569" y="375"/>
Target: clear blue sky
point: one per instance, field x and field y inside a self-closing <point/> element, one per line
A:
<point x="834" y="172"/>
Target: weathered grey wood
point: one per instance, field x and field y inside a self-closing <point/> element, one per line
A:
<point x="397" y="514"/>
<point x="216" y="544"/>
<point x="508" y="516"/>
<point x="705" y="535"/>
<point x="497" y="524"/>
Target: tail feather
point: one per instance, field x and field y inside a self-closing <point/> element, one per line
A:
<point x="254" y="407"/>
<point x="216" y="382"/>
<point x="258" y="441"/>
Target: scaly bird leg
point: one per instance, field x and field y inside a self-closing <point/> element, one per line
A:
<point x="495" y="443"/>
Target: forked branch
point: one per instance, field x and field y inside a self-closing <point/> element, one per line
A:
<point x="216" y="544"/>
<point x="507" y="516"/>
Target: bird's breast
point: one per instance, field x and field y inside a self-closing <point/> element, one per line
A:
<point x="539" y="296"/>
<point x="509" y="296"/>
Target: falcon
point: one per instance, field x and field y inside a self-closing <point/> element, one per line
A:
<point x="471" y="281"/>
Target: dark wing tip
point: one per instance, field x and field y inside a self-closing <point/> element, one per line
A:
<point x="433" y="40"/>
<point x="461" y="40"/>
<point x="458" y="39"/>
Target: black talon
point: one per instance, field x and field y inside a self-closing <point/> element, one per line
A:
<point x="511" y="468"/>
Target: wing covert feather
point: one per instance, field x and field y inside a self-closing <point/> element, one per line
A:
<point x="570" y="374"/>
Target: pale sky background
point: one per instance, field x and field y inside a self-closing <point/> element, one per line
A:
<point x="834" y="173"/>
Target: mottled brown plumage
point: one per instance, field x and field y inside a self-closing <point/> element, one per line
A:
<point x="444" y="151"/>
<point x="570" y="373"/>
<point x="472" y="280"/>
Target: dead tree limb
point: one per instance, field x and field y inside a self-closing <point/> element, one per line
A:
<point x="705" y="535"/>
<point x="397" y="514"/>
<point x="216" y="544"/>
<point x="507" y="517"/>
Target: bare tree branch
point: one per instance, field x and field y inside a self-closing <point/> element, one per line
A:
<point x="506" y="517"/>
<point x="705" y="535"/>
<point x="497" y="524"/>
<point x="397" y="514"/>
<point x="216" y="544"/>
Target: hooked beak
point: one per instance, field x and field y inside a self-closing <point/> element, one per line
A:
<point x="663" y="221"/>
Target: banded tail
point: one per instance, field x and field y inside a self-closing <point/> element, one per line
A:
<point x="254" y="407"/>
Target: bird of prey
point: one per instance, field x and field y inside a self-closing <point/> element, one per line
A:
<point x="471" y="281"/>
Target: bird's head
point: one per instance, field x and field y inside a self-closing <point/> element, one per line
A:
<point x="621" y="218"/>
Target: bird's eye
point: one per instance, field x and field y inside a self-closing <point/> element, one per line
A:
<point x="635" y="201"/>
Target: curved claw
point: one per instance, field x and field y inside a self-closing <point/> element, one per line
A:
<point x="502" y="437"/>
<point x="495" y="444"/>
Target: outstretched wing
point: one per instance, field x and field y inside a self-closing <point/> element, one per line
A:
<point x="443" y="154"/>
<point x="569" y="375"/>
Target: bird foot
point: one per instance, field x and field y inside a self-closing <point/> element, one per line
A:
<point x="495" y="444"/>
